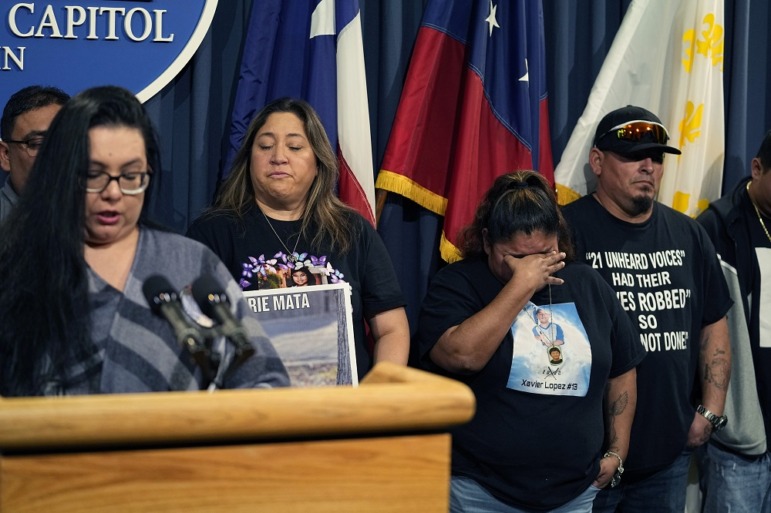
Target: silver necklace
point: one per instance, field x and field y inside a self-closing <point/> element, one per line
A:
<point x="290" y="255"/>
<point x="558" y="360"/>
<point x="757" y="212"/>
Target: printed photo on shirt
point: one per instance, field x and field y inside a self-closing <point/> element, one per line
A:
<point x="551" y="353"/>
<point x="286" y="271"/>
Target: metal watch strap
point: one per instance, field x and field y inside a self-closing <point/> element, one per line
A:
<point x="717" y="421"/>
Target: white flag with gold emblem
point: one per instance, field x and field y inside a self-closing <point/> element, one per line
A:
<point x="668" y="58"/>
<point x="693" y="109"/>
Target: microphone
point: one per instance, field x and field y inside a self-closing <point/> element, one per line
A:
<point x="214" y="303"/>
<point x="164" y="301"/>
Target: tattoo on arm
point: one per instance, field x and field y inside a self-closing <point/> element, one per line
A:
<point x="615" y="408"/>
<point x="618" y="406"/>
<point x="717" y="369"/>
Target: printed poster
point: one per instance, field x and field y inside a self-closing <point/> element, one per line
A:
<point x="311" y="330"/>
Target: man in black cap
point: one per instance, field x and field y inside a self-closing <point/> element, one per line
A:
<point x="668" y="279"/>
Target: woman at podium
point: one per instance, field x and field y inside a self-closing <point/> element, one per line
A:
<point x="74" y="259"/>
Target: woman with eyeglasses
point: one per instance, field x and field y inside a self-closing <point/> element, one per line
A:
<point x="74" y="256"/>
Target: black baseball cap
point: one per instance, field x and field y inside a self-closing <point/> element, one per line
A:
<point x="630" y="130"/>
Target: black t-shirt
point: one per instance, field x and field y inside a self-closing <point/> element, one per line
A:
<point x="251" y="251"/>
<point x="537" y="436"/>
<point x="667" y="277"/>
<point x="760" y="308"/>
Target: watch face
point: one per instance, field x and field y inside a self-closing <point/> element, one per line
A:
<point x="719" y="423"/>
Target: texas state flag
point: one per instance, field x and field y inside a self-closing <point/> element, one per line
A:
<point x="473" y="107"/>
<point x="311" y="50"/>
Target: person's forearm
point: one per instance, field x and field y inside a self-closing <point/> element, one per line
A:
<point x="470" y="345"/>
<point x="467" y="347"/>
<point x="391" y="332"/>
<point x="714" y="373"/>
<point x="620" y="404"/>
<point x="715" y="365"/>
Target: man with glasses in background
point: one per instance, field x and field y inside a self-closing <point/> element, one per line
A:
<point x="668" y="279"/>
<point x="23" y="126"/>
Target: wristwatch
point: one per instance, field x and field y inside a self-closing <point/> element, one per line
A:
<point x="718" y="422"/>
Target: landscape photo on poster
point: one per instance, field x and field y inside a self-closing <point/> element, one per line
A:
<point x="311" y="330"/>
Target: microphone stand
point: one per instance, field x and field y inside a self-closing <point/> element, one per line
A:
<point x="205" y="359"/>
<point x="164" y="301"/>
<point x="209" y="361"/>
<point x="214" y="303"/>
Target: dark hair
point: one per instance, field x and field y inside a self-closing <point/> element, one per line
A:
<point x="27" y="99"/>
<point x="44" y="308"/>
<point x="303" y="270"/>
<point x="329" y="217"/>
<point x="518" y="202"/>
<point x="764" y="153"/>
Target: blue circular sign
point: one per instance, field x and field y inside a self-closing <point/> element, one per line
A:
<point x="140" y="45"/>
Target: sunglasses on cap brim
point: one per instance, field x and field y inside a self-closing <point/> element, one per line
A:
<point x="638" y="130"/>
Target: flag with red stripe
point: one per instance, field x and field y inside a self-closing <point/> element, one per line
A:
<point x="473" y="107"/>
<point x="311" y="50"/>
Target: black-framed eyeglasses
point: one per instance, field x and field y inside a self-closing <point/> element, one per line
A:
<point x="637" y="130"/>
<point x="129" y="183"/>
<point x="31" y="145"/>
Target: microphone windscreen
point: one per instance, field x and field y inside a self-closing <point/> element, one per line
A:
<point x="155" y="286"/>
<point x="207" y="292"/>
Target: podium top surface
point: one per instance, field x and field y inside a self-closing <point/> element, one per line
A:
<point x="391" y="399"/>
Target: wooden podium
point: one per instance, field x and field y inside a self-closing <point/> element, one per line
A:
<point x="381" y="447"/>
